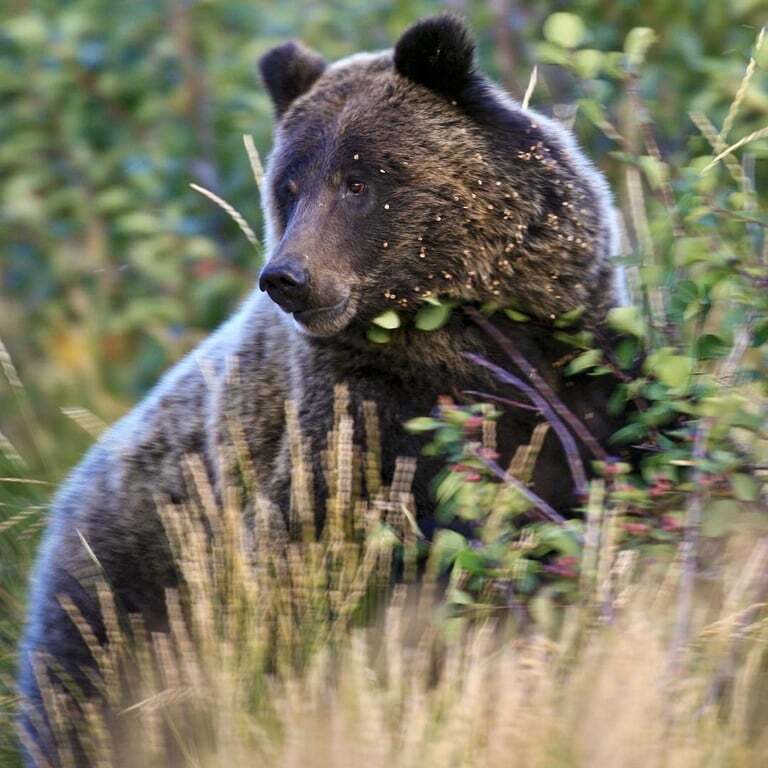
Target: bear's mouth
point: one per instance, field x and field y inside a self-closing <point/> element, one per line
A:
<point x="326" y="321"/>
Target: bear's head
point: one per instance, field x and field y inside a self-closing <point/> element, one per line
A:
<point x="406" y="174"/>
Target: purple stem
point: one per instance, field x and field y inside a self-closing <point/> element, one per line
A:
<point x="566" y="439"/>
<point x="541" y="385"/>
<point x="505" y="400"/>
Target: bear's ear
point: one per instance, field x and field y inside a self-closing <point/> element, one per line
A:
<point x="437" y="52"/>
<point x="288" y="71"/>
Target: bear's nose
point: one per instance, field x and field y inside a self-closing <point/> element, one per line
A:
<point x="287" y="285"/>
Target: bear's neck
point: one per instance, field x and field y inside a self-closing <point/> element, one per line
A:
<point x="442" y="357"/>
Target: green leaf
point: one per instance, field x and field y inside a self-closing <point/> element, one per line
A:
<point x="658" y="414"/>
<point x="689" y="250"/>
<point x="446" y="548"/>
<point x="378" y="335"/>
<point x="626" y="352"/>
<point x="627" y="320"/>
<point x="588" y="63"/>
<point x="422" y="424"/>
<point x="637" y="43"/>
<point x="569" y="318"/>
<point x="584" y="361"/>
<point x="581" y="340"/>
<point x="561" y="539"/>
<point x="745" y="487"/>
<point x="673" y="370"/>
<point x="456" y="416"/>
<point x="618" y="400"/>
<point x="593" y="111"/>
<point x="433" y="316"/>
<point x="470" y="561"/>
<point x="489" y="308"/>
<point x="29" y="29"/>
<point x="389" y="320"/>
<point x="632" y="433"/>
<point x="564" y="29"/>
<point x="518" y="317"/>
<point x="138" y="223"/>
<point x="710" y="346"/>
<point x="547" y="53"/>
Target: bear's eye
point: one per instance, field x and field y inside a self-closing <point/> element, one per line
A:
<point x="356" y="187"/>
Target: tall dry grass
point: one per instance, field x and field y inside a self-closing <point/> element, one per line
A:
<point x="294" y="650"/>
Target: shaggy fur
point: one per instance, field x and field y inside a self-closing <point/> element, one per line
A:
<point x="465" y="195"/>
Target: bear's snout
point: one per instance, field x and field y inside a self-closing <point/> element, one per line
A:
<point x="319" y="303"/>
<point x="287" y="284"/>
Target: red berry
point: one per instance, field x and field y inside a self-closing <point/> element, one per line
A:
<point x="637" y="529"/>
<point x="566" y="566"/>
<point x="671" y="524"/>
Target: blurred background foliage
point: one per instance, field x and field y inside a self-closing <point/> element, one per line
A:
<point x="111" y="266"/>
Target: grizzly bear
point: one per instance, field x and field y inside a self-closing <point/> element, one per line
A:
<point x="394" y="176"/>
